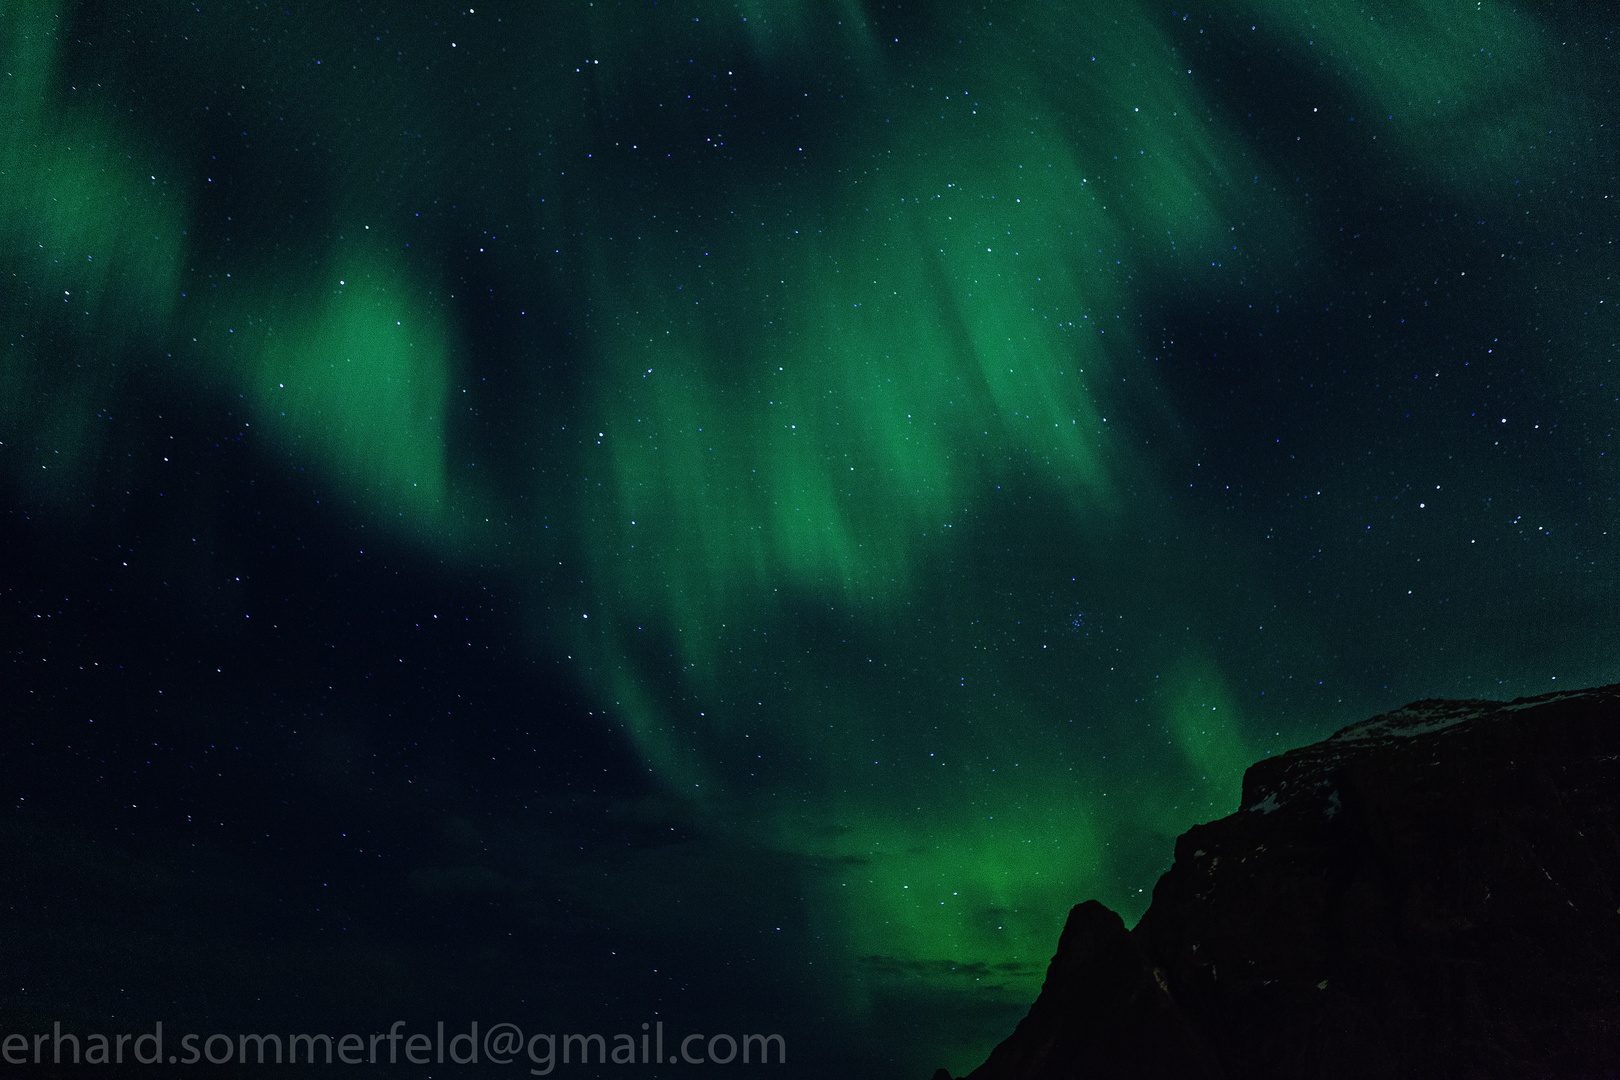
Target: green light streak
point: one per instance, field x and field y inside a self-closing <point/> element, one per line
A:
<point x="1449" y="79"/>
<point x="93" y="248"/>
<point x="350" y="370"/>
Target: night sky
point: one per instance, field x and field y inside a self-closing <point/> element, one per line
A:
<point x="739" y="514"/>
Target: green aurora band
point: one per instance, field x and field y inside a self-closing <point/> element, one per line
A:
<point x="849" y="488"/>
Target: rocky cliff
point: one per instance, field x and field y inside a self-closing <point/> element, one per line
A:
<point x="1430" y="893"/>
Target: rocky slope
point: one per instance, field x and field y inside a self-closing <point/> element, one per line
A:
<point x="1430" y="893"/>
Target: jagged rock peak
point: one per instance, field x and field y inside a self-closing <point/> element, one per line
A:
<point x="1434" y="892"/>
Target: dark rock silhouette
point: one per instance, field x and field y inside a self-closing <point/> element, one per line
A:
<point x="1430" y="893"/>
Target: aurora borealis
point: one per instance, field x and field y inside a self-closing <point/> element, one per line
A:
<point x="742" y="513"/>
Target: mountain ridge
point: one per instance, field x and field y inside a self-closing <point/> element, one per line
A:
<point x="1433" y="891"/>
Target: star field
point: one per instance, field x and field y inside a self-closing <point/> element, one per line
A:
<point x="735" y="513"/>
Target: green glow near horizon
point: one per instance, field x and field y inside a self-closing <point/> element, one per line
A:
<point x="810" y="589"/>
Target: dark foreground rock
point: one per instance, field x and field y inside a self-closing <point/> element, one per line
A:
<point x="1430" y="893"/>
